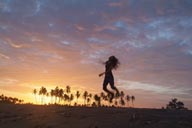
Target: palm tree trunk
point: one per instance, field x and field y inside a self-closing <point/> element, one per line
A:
<point x="36" y="98"/>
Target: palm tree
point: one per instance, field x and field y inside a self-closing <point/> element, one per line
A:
<point x="117" y="96"/>
<point x="47" y="95"/>
<point x="66" y="97"/>
<point x="85" y="94"/>
<point x="97" y="100"/>
<point x="132" y="100"/>
<point x="94" y="104"/>
<point x="122" y="102"/>
<point x="68" y="89"/>
<point x="116" y="103"/>
<point x="88" y="101"/>
<point x="52" y="94"/>
<point x="35" y="94"/>
<point x="71" y="98"/>
<point x="14" y="100"/>
<point x="42" y="92"/>
<point x="60" y="94"/>
<point x="103" y="97"/>
<point x="6" y="98"/>
<point x="1" y="97"/>
<point x="77" y="95"/>
<point x="122" y="94"/>
<point x="108" y="99"/>
<point x="128" y="99"/>
<point x="20" y="101"/>
<point x="90" y="97"/>
<point x="56" y="93"/>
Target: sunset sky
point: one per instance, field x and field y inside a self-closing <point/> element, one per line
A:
<point x="64" y="42"/>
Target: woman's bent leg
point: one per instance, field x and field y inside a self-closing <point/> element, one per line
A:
<point x="106" y="90"/>
<point x="114" y="88"/>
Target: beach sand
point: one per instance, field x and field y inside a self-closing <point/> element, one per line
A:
<point x="34" y="116"/>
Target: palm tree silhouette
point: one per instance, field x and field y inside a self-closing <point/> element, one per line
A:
<point x="66" y="98"/>
<point x="47" y="95"/>
<point x="122" y="102"/>
<point x="42" y="92"/>
<point x="132" y="100"/>
<point x="88" y="101"/>
<point x="117" y="96"/>
<point x="56" y="93"/>
<point x="1" y="97"/>
<point x="122" y="94"/>
<point x="35" y="94"/>
<point x="20" y="101"/>
<point x="77" y="95"/>
<point x="127" y="99"/>
<point x="60" y="94"/>
<point x="71" y="98"/>
<point x="97" y="100"/>
<point x="68" y="89"/>
<point x="89" y="97"/>
<point x="116" y="103"/>
<point x="94" y="104"/>
<point x="103" y="97"/>
<point x="108" y="99"/>
<point x="85" y="94"/>
<point x="52" y="94"/>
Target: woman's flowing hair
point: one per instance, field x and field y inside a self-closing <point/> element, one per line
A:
<point x="113" y="61"/>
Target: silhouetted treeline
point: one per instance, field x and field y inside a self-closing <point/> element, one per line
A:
<point x="10" y="100"/>
<point x="175" y="104"/>
<point x="66" y="96"/>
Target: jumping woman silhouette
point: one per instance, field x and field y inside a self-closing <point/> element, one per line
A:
<point x="110" y="64"/>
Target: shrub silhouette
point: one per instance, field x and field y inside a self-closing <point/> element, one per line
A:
<point x="175" y="104"/>
<point x="10" y="100"/>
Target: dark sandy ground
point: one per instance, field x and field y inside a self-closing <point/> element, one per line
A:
<point x="31" y="116"/>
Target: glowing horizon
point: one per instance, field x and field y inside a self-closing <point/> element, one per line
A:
<point x="58" y="43"/>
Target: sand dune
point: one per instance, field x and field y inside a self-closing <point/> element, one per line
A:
<point x="31" y="116"/>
